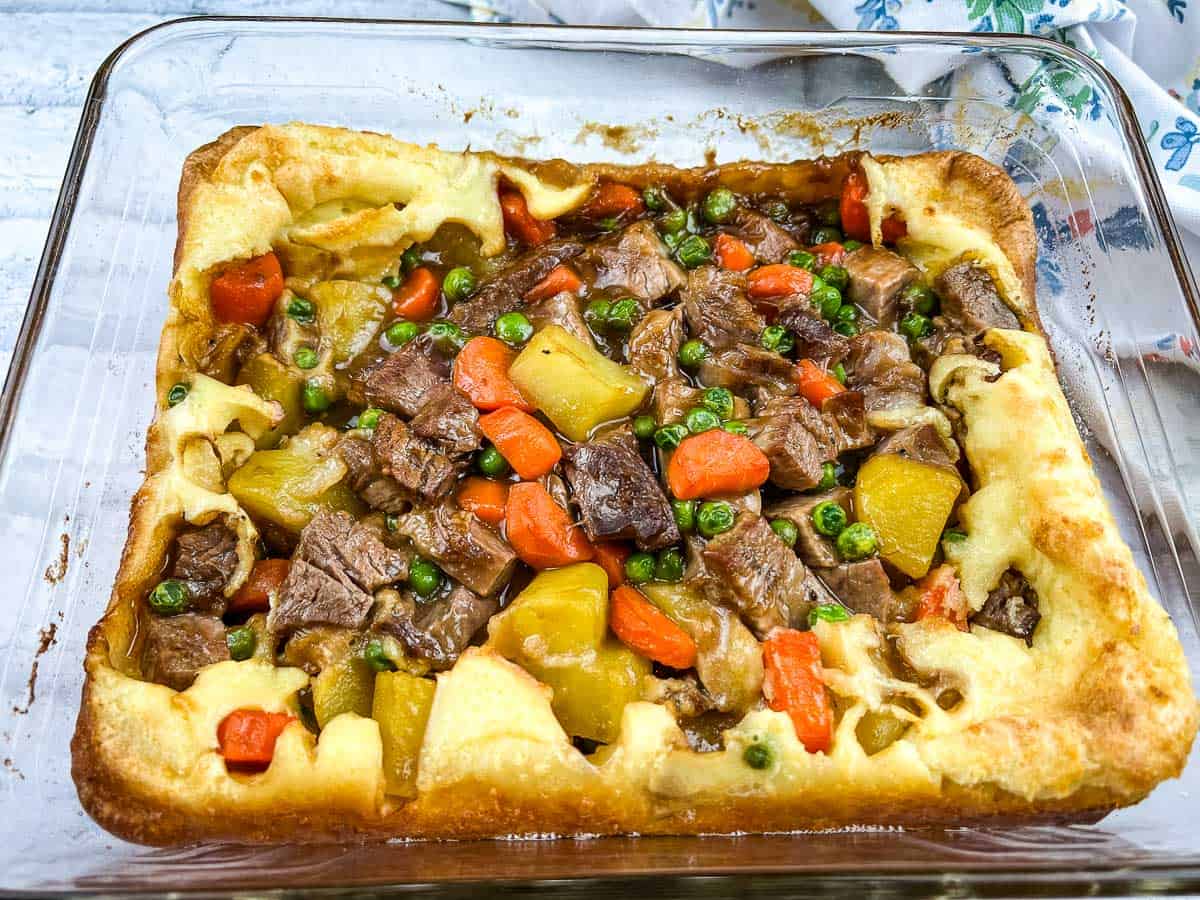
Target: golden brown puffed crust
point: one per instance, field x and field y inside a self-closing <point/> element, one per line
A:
<point x="1131" y="721"/>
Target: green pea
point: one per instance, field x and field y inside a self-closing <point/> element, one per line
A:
<point x="392" y="522"/>
<point x="914" y="326"/>
<point x="513" y="328"/>
<point x="674" y="221"/>
<point x="845" y="329"/>
<point x="828" y="477"/>
<point x="835" y="275"/>
<point x="314" y="398"/>
<point x="827" y="612"/>
<point x="777" y="339"/>
<point x="424" y="577"/>
<point x="719" y="205"/>
<point x="301" y="310"/>
<point x="736" y="428"/>
<point x="857" y="541"/>
<point x="692" y="353"/>
<point x="376" y="657"/>
<point x="919" y="299"/>
<point x="714" y="517"/>
<point x="827" y="299"/>
<point x="447" y="337"/>
<point x="410" y="258"/>
<point x="787" y="531"/>
<point x="693" y="251"/>
<point x="401" y="332"/>
<point x="240" y="641"/>
<point x="829" y="518"/>
<point x="491" y="462"/>
<point x="169" y="597"/>
<point x="624" y="314"/>
<point x="719" y="400"/>
<point x="839" y="372"/>
<point x="656" y="198"/>
<point x="848" y="312"/>
<point x="778" y="211"/>
<point x="177" y="394"/>
<point x="684" y="512"/>
<point x="669" y="436"/>
<point x="673" y="240"/>
<point x="669" y="565"/>
<point x="953" y="536"/>
<point x="801" y="259"/>
<point x="639" y="568"/>
<point x="305" y="358"/>
<point x="596" y="314"/>
<point x="643" y="427"/>
<point x="458" y="284"/>
<point x="369" y="418"/>
<point x="758" y="755"/>
<point x="698" y="419"/>
<point x="826" y="235"/>
<point x="391" y="281"/>
<point x="851" y="245"/>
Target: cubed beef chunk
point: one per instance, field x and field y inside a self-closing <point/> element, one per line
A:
<point x="412" y="462"/>
<point x="814" y="337"/>
<point x="437" y="630"/>
<point x="465" y="548"/>
<point x="365" y="477"/>
<point x="674" y="397"/>
<point x="618" y="495"/>
<point x="745" y="367"/>
<point x="717" y="309"/>
<point x="684" y="696"/>
<point x="814" y="548"/>
<point x="505" y="290"/>
<point x="877" y="276"/>
<point x="654" y="345"/>
<point x="353" y="553"/>
<point x="798" y="440"/>
<point x="922" y="443"/>
<point x="402" y="381"/>
<point x="863" y="587"/>
<point x="845" y="415"/>
<point x="205" y="559"/>
<point x="769" y="242"/>
<point x="175" y="648"/>
<point x="562" y="310"/>
<point x="1011" y="607"/>
<point x="879" y="365"/>
<point x="310" y="597"/>
<point x="970" y="299"/>
<point x="760" y="576"/>
<point x="448" y="421"/>
<point x="634" y="261"/>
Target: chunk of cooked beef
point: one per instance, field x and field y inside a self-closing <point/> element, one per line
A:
<point x="746" y="367"/>
<point x="412" y="462"/>
<point x="436" y="631"/>
<point x="970" y="299"/>
<point x="814" y="337"/>
<point x="877" y="276"/>
<point x="684" y="696"/>
<point x="465" y="548"/>
<point x="310" y="597"/>
<point x="1011" y="607"/>
<point x="798" y="440"/>
<point x="769" y="242"/>
<point x="285" y="335"/>
<point x="920" y="442"/>
<point x="318" y="648"/>
<point x="879" y="365"/>
<point x="175" y="648"/>
<point x="562" y="310"/>
<point x="634" y="261"/>
<point x="448" y="421"/>
<point x="654" y="345"/>
<point x="674" y="397"/>
<point x="366" y="479"/>
<point x="353" y="553"/>
<point x="618" y="495"/>
<point x="205" y="559"/>
<point x="760" y="576"/>
<point x="505" y="291"/>
<point x="402" y="381"/>
<point x="863" y="587"/>
<point x="717" y="309"/>
<point x="814" y="548"/>
<point x="845" y="414"/>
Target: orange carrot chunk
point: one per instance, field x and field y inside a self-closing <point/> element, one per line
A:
<point x="942" y="597"/>
<point x="264" y="582"/>
<point x="611" y="556"/>
<point x="716" y="462"/>
<point x="528" y="445"/>
<point x="644" y="629"/>
<point x="734" y="254"/>
<point x="829" y="254"/>
<point x="613" y="199"/>
<point x="247" y="292"/>
<point x="417" y="298"/>
<point x="483" y="497"/>
<point x="481" y="373"/>
<point x="778" y="281"/>
<point x="561" y="278"/>
<point x="793" y="683"/>
<point x="816" y="385"/>
<point x="247" y="736"/>
<point x="541" y="531"/>
<point x="856" y="221"/>
<point x="520" y="223"/>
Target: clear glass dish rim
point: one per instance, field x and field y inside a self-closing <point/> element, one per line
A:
<point x="1117" y="878"/>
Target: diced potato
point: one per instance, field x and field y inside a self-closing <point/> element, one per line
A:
<point x="590" y="692"/>
<point x="289" y="485"/>
<point x="346" y="686"/>
<point x="350" y="314"/>
<point x="907" y="503"/>
<point x="575" y="385"/>
<point x="401" y="707"/>
<point x="272" y="380"/>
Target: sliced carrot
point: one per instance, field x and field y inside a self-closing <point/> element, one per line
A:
<point x="733" y="254"/>
<point x="267" y="576"/>
<point x="643" y="628"/>
<point x="483" y="497"/>
<point x="417" y="298"/>
<point x="613" y="199"/>
<point x="942" y="597"/>
<point x="816" y="385"/>
<point x="611" y="556"/>
<point x="520" y="223"/>
<point x="856" y="221"/>
<point x="528" y="445"/>
<point x="561" y="278"/>
<point x="540" y="530"/>
<point x="247" y="736"/>
<point x="778" y="280"/>
<point x="829" y="254"/>
<point x="481" y="373"/>
<point x="793" y="683"/>
<point x="716" y="462"/>
<point x="247" y="292"/>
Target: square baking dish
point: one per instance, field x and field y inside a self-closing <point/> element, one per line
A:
<point x="1115" y="295"/>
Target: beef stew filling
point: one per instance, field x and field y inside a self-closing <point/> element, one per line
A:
<point x="641" y="453"/>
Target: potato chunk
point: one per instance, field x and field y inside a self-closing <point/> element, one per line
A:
<point x="350" y="314"/>
<point x="345" y="686"/>
<point x="401" y="707"/>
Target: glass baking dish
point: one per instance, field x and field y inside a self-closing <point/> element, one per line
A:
<point x="1114" y="290"/>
